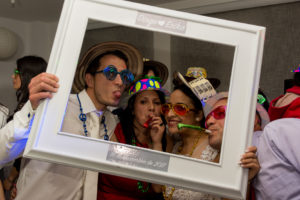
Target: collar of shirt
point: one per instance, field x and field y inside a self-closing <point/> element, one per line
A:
<point x="87" y="104"/>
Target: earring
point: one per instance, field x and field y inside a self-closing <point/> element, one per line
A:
<point x="197" y="119"/>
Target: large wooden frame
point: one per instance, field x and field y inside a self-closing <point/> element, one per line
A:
<point x="226" y="178"/>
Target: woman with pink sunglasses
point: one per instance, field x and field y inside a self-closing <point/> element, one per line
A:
<point x="185" y="108"/>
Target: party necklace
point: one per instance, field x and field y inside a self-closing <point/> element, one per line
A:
<point x="170" y="196"/>
<point x="164" y="188"/>
<point x="193" y="148"/>
<point x="83" y="117"/>
<point x="140" y="185"/>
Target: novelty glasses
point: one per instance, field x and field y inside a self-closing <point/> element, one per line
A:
<point x="178" y="108"/>
<point x="111" y="72"/>
<point x="218" y="113"/>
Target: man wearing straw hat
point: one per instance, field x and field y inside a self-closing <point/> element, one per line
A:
<point x="101" y="77"/>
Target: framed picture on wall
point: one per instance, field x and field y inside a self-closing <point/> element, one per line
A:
<point x="227" y="179"/>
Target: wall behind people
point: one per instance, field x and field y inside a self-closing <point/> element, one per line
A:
<point x="282" y="42"/>
<point x="215" y="58"/>
<point x="34" y="38"/>
<point x="281" y="50"/>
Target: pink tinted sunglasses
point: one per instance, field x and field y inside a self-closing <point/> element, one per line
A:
<point x="218" y="113"/>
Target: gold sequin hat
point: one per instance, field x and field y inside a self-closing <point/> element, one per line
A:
<point x="196" y="72"/>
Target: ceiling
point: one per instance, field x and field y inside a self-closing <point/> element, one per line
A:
<point x="31" y="10"/>
<point x="49" y="10"/>
<point x="44" y="10"/>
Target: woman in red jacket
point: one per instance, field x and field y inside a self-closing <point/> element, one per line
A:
<point x="141" y="124"/>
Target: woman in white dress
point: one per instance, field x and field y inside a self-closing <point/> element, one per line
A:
<point x="184" y="107"/>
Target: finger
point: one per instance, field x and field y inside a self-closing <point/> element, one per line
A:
<point x="151" y="115"/>
<point x="249" y="160"/>
<point x="155" y="121"/>
<point x="252" y="149"/>
<point x="40" y="96"/>
<point x="157" y="125"/>
<point x="154" y="118"/>
<point x="248" y="155"/>
<point x="44" y="77"/>
<point x="250" y="166"/>
<point x="49" y="76"/>
<point x="42" y="87"/>
<point x="42" y="80"/>
<point x="35" y="99"/>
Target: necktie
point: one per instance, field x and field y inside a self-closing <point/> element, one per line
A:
<point x="91" y="179"/>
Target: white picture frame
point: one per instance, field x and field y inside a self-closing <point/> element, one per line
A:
<point x="226" y="178"/>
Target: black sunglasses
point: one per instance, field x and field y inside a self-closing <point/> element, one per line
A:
<point x="111" y="72"/>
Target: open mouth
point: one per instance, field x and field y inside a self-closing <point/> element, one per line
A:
<point x="117" y="94"/>
<point x="172" y="123"/>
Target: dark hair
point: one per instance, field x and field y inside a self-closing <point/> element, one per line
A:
<point x="127" y="117"/>
<point x="29" y="67"/>
<point x="147" y="68"/>
<point x="94" y="65"/>
<point x="195" y="100"/>
<point x="297" y="78"/>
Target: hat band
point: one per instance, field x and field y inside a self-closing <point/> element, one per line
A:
<point x="144" y="84"/>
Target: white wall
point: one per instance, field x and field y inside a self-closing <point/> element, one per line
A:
<point x="34" y="38"/>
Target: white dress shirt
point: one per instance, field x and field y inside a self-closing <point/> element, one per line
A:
<point x="42" y="180"/>
<point x="3" y="115"/>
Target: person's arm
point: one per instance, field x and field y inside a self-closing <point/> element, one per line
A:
<point x="157" y="129"/>
<point x="14" y="135"/>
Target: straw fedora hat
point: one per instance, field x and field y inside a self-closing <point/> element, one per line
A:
<point x="158" y="68"/>
<point x="135" y="60"/>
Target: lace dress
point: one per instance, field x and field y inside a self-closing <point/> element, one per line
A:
<point x="208" y="154"/>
